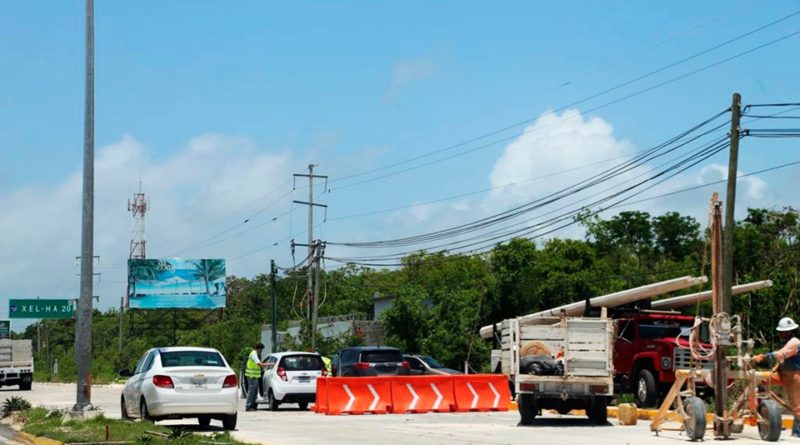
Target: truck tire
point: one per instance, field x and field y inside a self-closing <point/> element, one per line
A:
<point x="25" y="386"/>
<point x="646" y="389"/>
<point x="527" y="409"/>
<point x="769" y="428"/>
<point x="695" y="422"/>
<point x="598" y="412"/>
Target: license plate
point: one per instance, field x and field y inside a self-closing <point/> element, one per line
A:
<point x="304" y="379"/>
<point x="199" y="381"/>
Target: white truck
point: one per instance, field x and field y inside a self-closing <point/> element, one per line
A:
<point x="16" y="363"/>
<point x="584" y="346"/>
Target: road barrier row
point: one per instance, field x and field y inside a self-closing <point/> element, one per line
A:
<point x="412" y="394"/>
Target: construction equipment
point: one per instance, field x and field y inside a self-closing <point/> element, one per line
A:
<point x="730" y="354"/>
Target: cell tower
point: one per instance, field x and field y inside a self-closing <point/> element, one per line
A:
<point x="138" y="207"/>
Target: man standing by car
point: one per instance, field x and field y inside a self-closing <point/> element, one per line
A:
<point x="252" y="372"/>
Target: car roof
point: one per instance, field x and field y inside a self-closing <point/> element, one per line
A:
<point x="372" y="348"/>
<point x="282" y="354"/>
<point x="186" y="348"/>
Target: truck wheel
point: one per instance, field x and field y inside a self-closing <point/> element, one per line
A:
<point x="527" y="409"/>
<point x="769" y="427"/>
<point x="646" y="389"/>
<point x="598" y="412"/>
<point x="25" y="386"/>
<point x="695" y="421"/>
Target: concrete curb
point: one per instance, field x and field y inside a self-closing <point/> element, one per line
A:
<point x="29" y="439"/>
<point x="646" y="414"/>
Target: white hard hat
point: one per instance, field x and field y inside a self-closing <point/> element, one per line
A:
<point x="786" y="324"/>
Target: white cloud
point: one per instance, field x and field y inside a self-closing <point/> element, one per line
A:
<point x="409" y="71"/>
<point x="751" y="187"/>
<point x="192" y="193"/>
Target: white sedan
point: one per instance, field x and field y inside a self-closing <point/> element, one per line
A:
<point x="181" y="382"/>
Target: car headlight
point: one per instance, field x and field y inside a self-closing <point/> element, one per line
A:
<point x="666" y="363"/>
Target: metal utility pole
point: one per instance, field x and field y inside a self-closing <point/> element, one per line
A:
<point x="83" y="331"/>
<point x="730" y="204"/>
<point x="273" y="286"/>
<point x="720" y="363"/>
<point x="312" y="296"/>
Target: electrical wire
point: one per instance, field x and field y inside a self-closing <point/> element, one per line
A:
<point x="587" y="98"/>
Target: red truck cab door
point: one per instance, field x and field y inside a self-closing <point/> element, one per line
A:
<point x="625" y="347"/>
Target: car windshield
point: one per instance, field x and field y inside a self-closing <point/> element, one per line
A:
<point x="432" y="362"/>
<point x="381" y="357"/>
<point x="654" y="329"/>
<point x="302" y="363"/>
<point x="173" y="359"/>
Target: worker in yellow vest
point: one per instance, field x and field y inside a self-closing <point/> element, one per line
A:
<point x="327" y="362"/>
<point x="252" y="373"/>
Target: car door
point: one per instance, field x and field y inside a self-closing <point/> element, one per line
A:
<point x="269" y="373"/>
<point x="131" y="390"/>
<point x="417" y="367"/>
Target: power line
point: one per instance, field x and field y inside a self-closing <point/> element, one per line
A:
<point x="606" y="91"/>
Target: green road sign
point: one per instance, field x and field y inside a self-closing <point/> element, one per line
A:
<point x="5" y="328"/>
<point x="35" y="308"/>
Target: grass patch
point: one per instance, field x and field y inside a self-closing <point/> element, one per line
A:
<point x="45" y="423"/>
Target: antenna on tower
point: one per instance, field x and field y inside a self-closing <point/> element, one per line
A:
<point x="138" y="207"/>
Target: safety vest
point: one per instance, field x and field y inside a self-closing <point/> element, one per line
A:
<point x="253" y="371"/>
<point x="327" y="363"/>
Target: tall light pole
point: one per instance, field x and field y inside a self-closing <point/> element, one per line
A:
<point x="83" y="329"/>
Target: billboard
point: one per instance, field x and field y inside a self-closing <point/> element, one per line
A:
<point x="5" y="328"/>
<point x="176" y="283"/>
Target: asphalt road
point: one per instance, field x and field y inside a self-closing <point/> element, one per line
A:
<point x="294" y="427"/>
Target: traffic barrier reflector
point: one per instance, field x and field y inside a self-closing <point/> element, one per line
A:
<point x="422" y="394"/>
<point x="481" y="392"/>
<point x="358" y="395"/>
<point x="321" y="403"/>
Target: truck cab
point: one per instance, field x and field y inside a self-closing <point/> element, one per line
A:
<point x="649" y="346"/>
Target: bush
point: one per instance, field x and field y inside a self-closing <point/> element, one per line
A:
<point x="13" y="404"/>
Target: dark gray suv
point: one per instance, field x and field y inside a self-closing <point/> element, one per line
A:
<point x="369" y="361"/>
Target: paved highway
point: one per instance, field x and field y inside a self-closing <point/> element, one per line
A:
<point x="294" y="427"/>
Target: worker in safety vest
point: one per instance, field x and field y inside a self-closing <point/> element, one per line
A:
<point x="327" y="362"/>
<point x="252" y="372"/>
<point x="789" y="370"/>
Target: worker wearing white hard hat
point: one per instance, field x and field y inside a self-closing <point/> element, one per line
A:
<point x="789" y="370"/>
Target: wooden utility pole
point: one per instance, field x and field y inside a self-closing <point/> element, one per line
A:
<point x="730" y="205"/>
<point x="273" y="269"/>
<point x="720" y="363"/>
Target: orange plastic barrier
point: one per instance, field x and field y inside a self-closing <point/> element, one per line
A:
<point x="481" y="392"/>
<point x="321" y="403"/>
<point x="358" y="395"/>
<point x="421" y="394"/>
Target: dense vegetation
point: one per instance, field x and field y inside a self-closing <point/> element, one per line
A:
<point x="442" y="299"/>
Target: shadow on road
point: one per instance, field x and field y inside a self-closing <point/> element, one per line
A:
<point x="196" y="428"/>
<point x="561" y="422"/>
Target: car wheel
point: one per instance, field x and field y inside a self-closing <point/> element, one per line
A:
<point x="273" y="404"/>
<point x="204" y="421"/>
<point x="303" y="406"/>
<point x="123" y="409"/>
<point x="646" y="389"/>
<point x="144" y="414"/>
<point x="229" y="422"/>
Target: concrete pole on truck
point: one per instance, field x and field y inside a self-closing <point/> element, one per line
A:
<point x="730" y="205"/>
<point x="83" y="329"/>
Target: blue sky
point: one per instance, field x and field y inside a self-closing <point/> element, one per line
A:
<point x="215" y="104"/>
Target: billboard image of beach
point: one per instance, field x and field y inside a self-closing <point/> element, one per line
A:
<point x="176" y="283"/>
